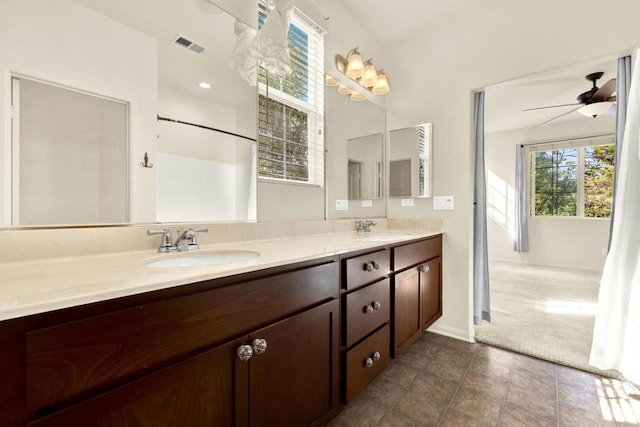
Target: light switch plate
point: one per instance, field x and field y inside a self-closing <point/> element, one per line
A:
<point x="442" y="202"/>
<point x="342" y="205"/>
<point x="367" y="203"/>
<point x="406" y="202"/>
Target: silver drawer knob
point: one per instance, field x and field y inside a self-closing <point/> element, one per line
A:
<point x="244" y="352"/>
<point x="376" y="356"/>
<point x="375" y="265"/>
<point x="368" y="309"/>
<point x="259" y="345"/>
<point x="376" y="305"/>
<point x="424" y="268"/>
<point x="367" y="267"/>
<point x="369" y="362"/>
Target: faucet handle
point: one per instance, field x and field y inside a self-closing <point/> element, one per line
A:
<point x="165" y="245"/>
<point x="193" y="243"/>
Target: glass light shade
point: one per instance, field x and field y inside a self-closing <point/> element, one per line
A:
<point x="370" y="76"/>
<point x="343" y="90"/>
<point x="355" y="67"/>
<point x="330" y="81"/>
<point x="382" y="85"/>
<point x="357" y="97"/>
<point x="595" y="109"/>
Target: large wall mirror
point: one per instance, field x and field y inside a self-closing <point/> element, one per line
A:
<point x="410" y="161"/>
<point x="180" y="121"/>
<point x="354" y="141"/>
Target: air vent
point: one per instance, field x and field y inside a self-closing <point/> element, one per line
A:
<point x="187" y="43"/>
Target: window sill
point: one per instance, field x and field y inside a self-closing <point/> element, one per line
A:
<point x="285" y="182"/>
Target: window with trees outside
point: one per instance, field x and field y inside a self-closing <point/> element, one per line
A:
<point x="291" y="108"/>
<point x="574" y="180"/>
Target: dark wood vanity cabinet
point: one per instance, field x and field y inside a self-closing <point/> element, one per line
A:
<point x="173" y="357"/>
<point x="366" y="316"/>
<point x="417" y="292"/>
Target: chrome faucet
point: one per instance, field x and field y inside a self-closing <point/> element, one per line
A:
<point x="186" y="241"/>
<point x="364" y="226"/>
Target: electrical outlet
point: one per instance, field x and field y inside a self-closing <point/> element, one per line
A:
<point x="406" y="202"/>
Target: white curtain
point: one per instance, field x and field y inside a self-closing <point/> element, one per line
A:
<point x="521" y="234"/>
<point x="481" y="304"/>
<point x="616" y="336"/>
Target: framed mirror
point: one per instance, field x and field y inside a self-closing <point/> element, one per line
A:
<point x="187" y="141"/>
<point x="410" y="161"/>
<point x="364" y="167"/>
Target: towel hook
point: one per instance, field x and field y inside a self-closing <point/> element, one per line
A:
<point x="145" y="163"/>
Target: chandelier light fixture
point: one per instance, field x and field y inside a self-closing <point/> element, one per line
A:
<point x="362" y="72"/>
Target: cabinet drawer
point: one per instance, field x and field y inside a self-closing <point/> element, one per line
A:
<point x="358" y="373"/>
<point x="367" y="309"/>
<point x="414" y="253"/>
<point x="367" y="268"/>
<point x="70" y="359"/>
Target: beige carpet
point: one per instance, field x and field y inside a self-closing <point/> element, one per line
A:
<point x="544" y="312"/>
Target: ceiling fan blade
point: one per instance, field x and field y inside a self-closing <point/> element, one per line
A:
<point x="561" y="115"/>
<point x="550" y="106"/>
<point x="605" y="91"/>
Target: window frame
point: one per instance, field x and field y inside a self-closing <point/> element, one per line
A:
<point x="313" y="107"/>
<point x="579" y="144"/>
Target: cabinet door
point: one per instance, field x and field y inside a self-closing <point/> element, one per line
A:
<point x="295" y="381"/>
<point x="200" y="391"/>
<point x="431" y="284"/>
<point x="407" y="310"/>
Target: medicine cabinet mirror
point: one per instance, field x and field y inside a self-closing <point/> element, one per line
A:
<point x="410" y="161"/>
<point x="365" y="167"/>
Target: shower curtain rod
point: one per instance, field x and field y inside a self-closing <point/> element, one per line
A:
<point x="555" y="141"/>
<point x="204" y="127"/>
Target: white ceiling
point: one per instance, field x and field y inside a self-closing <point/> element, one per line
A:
<point x="394" y="21"/>
<point x="389" y="21"/>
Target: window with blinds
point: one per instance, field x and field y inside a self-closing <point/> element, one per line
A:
<point x="291" y="108"/>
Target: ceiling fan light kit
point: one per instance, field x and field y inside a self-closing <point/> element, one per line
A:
<point x="591" y="103"/>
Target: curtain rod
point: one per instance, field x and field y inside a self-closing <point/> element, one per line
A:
<point x="555" y="141"/>
<point x="204" y="127"/>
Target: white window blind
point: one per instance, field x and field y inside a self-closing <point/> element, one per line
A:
<point x="291" y="109"/>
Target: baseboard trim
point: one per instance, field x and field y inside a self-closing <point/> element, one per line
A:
<point x="448" y="331"/>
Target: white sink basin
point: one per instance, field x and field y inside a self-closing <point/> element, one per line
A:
<point x="383" y="236"/>
<point x="201" y="259"/>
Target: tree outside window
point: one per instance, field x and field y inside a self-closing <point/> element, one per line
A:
<point x="575" y="181"/>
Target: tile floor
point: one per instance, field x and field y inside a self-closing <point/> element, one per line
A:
<point x="446" y="382"/>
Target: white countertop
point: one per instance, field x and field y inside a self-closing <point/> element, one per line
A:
<point x="34" y="287"/>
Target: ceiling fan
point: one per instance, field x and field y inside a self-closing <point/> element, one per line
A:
<point x="591" y="103"/>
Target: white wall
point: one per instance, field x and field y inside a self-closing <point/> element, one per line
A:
<point x="434" y="76"/>
<point x="44" y="39"/>
<point x="567" y="242"/>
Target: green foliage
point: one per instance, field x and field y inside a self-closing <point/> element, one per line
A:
<point x="556" y="180"/>
<point x="598" y="181"/>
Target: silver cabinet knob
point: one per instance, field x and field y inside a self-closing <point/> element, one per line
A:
<point x="368" y="309"/>
<point x="375" y="265"/>
<point x="376" y="305"/>
<point x="376" y="356"/>
<point x="259" y="345"/>
<point x="244" y="352"/>
<point x="367" y="267"/>
<point x="369" y="362"/>
<point x="424" y="268"/>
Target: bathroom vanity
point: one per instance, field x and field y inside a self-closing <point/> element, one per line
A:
<point x="266" y="343"/>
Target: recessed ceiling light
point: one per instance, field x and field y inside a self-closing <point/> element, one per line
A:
<point x="204" y="85"/>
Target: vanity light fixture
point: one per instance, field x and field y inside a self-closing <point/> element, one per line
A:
<point x="362" y="72"/>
